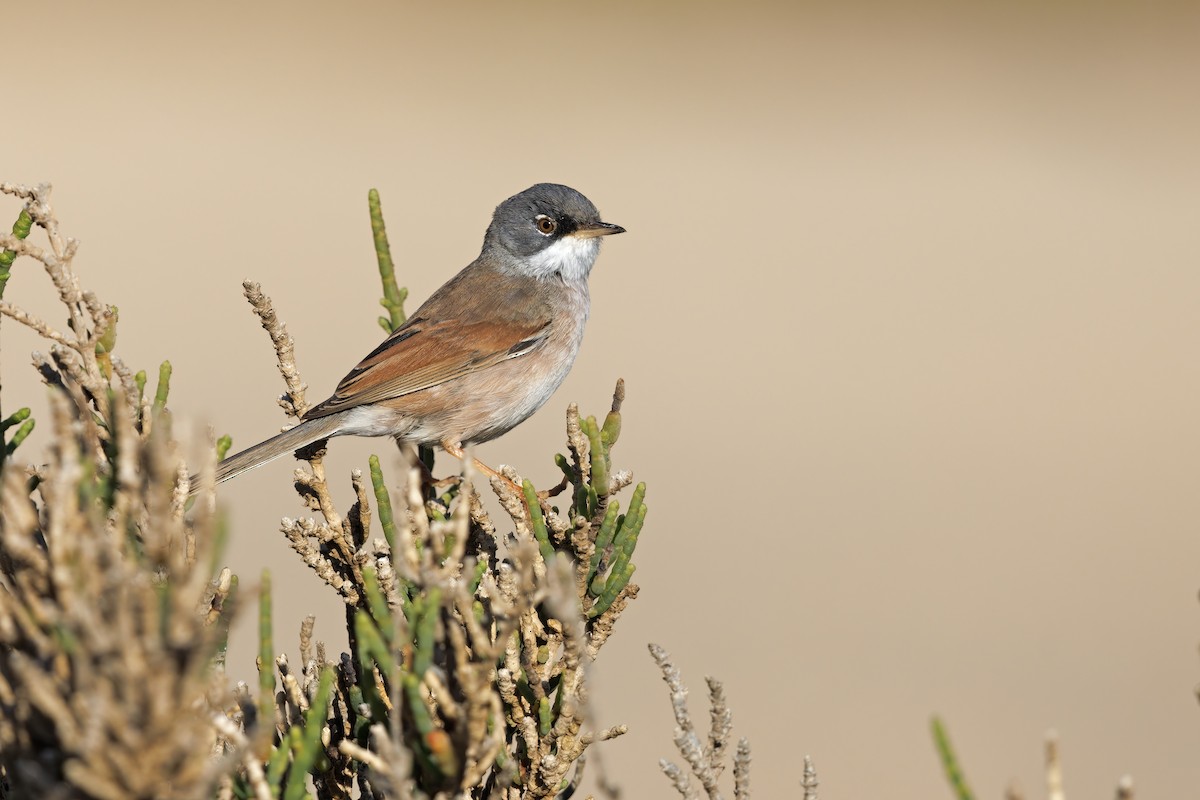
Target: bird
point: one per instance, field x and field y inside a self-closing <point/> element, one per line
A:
<point x="483" y="353"/>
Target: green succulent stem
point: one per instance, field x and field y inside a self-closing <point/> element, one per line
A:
<point x="371" y="651"/>
<point x="393" y="295"/>
<point x="639" y="496"/>
<point x="604" y="537"/>
<point x="383" y="502"/>
<point x="949" y="759"/>
<point x="20" y="229"/>
<point x="416" y="704"/>
<point x="227" y="614"/>
<point x="266" y="658"/>
<point x="564" y="464"/>
<point x="362" y="722"/>
<point x="277" y="765"/>
<point x="25" y="427"/>
<point x="108" y="340"/>
<point x="600" y="458"/>
<point x="627" y="540"/>
<point x="616" y="583"/>
<point x="15" y="418"/>
<point x="538" y="522"/>
<point x="378" y="605"/>
<point x="164" y="386"/>
<point x="304" y="756"/>
<point x="427" y="610"/>
<point x="611" y="430"/>
<point x="481" y="567"/>
<point x="628" y="526"/>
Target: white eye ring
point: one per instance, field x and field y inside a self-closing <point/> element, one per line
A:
<point x="545" y="225"/>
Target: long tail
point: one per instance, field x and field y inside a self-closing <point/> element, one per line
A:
<point x="302" y="435"/>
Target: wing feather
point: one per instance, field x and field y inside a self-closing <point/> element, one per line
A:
<point x="427" y="353"/>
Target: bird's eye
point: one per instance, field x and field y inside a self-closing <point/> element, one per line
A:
<point x="545" y="225"/>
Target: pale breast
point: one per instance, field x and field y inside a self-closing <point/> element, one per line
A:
<point x="486" y="404"/>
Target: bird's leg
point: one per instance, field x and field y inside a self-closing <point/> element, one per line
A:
<point x="412" y="457"/>
<point x="455" y="449"/>
<point x="430" y="486"/>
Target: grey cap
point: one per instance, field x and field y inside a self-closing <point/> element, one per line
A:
<point x="532" y="220"/>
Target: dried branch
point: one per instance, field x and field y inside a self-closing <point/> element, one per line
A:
<point x="109" y="624"/>
<point x="1054" y="774"/>
<point x="809" y="782"/>
<point x="285" y="349"/>
<point x="706" y="762"/>
<point x="37" y="325"/>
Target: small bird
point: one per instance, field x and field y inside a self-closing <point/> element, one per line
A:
<point x="484" y="352"/>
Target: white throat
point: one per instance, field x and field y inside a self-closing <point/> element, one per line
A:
<point x="571" y="256"/>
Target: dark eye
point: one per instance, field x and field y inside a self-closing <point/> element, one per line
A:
<point x="545" y="225"/>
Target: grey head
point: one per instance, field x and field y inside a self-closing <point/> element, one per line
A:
<point x="548" y="230"/>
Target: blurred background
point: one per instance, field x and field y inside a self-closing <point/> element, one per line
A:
<point x="907" y="312"/>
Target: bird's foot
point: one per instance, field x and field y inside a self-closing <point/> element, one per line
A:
<point x="455" y="449"/>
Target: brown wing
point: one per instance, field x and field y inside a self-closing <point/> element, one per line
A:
<point x="423" y="354"/>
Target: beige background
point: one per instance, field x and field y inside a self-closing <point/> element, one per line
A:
<point x="907" y="309"/>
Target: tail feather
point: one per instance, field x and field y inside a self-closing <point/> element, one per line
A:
<point x="289" y="441"/>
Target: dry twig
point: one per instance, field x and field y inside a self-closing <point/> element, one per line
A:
<point x="705" y="762"/>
